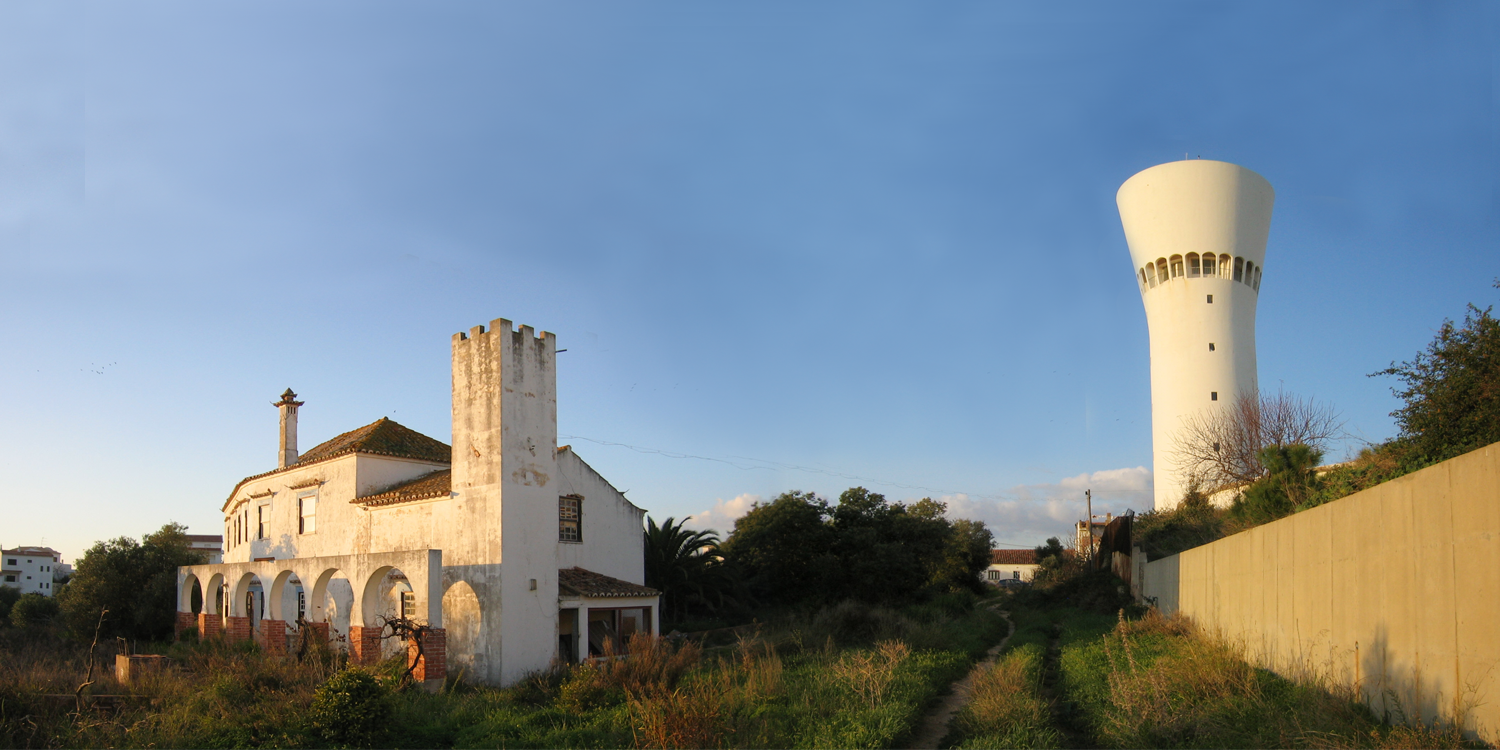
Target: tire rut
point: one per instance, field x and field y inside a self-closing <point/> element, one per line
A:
<point x="1064" y="714"/>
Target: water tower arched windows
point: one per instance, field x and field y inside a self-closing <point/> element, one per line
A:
<point x="1193" y="265"/>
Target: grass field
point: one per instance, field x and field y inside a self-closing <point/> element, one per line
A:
<point x="849" y="676"/>
<point x="1071" y="678"/>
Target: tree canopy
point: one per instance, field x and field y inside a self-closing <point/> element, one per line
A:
<point x="1450" y="393"/>
<point x="800" y="549"/>
<point x="137" y="582"/>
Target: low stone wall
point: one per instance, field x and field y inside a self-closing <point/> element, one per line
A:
<point x="1395" y="590"/>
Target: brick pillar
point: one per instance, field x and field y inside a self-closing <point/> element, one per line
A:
<point x="237" y="629"/>
<point x="434" y="662"/>
<point x="184" y="621"/>
<point x="319" y="629"/>
<point x="273" y="636"/>
<point x="210" y="625"/>
<point x="364" y="645"/>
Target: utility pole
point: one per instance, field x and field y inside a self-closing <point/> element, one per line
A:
<point x="1088" y="525"/>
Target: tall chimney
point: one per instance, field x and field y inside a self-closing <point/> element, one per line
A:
<point x="288" y="408"/>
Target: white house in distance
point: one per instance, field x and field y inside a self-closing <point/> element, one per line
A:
<point x="30" y="569"/>
<point x="512" y="549"/>
<point x="209" y="544"/>
<point x="1010" y="565"/>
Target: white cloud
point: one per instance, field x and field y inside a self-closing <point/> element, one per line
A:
<point x="721" y="517"/>
<point x="1028" y="514"/>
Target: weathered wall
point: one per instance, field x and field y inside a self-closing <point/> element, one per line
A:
<point x="1395" y="589"/>
<point x="613" y="541"/>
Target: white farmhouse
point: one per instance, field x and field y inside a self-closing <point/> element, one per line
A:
<point x="1010" y="565"/>
<point x="511" y="548"/>
<point x="30" y="569"/>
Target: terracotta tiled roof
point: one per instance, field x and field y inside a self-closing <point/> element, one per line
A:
<point x="31" y="551"/>
<point x="1013" y="557"/>
<point x="381" y="437"/>
<point x="580" y="582"/>
<point x="436" y="484"/>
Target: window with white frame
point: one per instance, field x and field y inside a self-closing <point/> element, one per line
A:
<point x="307" y="514"/>
<point x="570" y="519"/>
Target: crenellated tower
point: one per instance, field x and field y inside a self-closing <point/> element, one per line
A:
<point x="504" y="472"/>
<point x="1197" y="234"/>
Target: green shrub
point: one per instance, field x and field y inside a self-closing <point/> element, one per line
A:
<point x="352" y="709"/>
<point x="32" y="609"/>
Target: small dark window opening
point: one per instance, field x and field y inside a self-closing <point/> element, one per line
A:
<point x="1210" y="299"/>
<point x="1213" y="396"/>
<point x="301" y="605"/>
<point x="1210" y="346"/>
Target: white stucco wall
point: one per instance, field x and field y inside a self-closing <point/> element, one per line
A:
<point x="1170" y="211"/>
<point x="613" y="527"/>
<point x="1008" y="572"/>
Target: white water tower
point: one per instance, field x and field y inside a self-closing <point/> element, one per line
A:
<point x="1197" y="234"/>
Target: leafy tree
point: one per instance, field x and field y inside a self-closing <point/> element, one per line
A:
<point x="783" y="548"/>
<point x="1451" y="392"/>
<point x="687" y="567"/>
<point x="137" y="582"/>
<point x="965" y="556"/>
<point x="32" y="609"/>
<point x="798" y="549"/>
<point x="352" y="709"/>
<point x="1291" y="483"/>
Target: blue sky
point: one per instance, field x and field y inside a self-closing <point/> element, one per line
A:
<point x="817" y="245"/>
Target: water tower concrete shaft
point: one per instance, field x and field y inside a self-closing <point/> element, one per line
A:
<point x="1197" y="235"/>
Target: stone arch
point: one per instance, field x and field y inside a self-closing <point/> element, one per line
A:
<point x="1225" y="262"/>
<point x="1210" y="265"/>
<point x="185" y="593"/>
<point x="1194" y="266"/>
<point x="463" y="619"/>
<point x="1175" y="263"/>
<point x="247" y="597"/>
<point x="287" y="592"/>
<point x="213" y="595"/>
<point x="333" y="602"/>
<point x="383" y="595"/>
<point x="1239" y="269"/>
<point x="1161" y="271"/>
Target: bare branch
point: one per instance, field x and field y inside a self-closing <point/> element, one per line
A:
<point x="88" y="678"/>
<point x="1214" y="449"/>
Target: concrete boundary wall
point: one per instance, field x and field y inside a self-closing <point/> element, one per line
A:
<point x="1395" y="590"/>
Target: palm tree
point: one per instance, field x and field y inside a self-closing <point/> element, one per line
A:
<point x="685" y="565"/>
